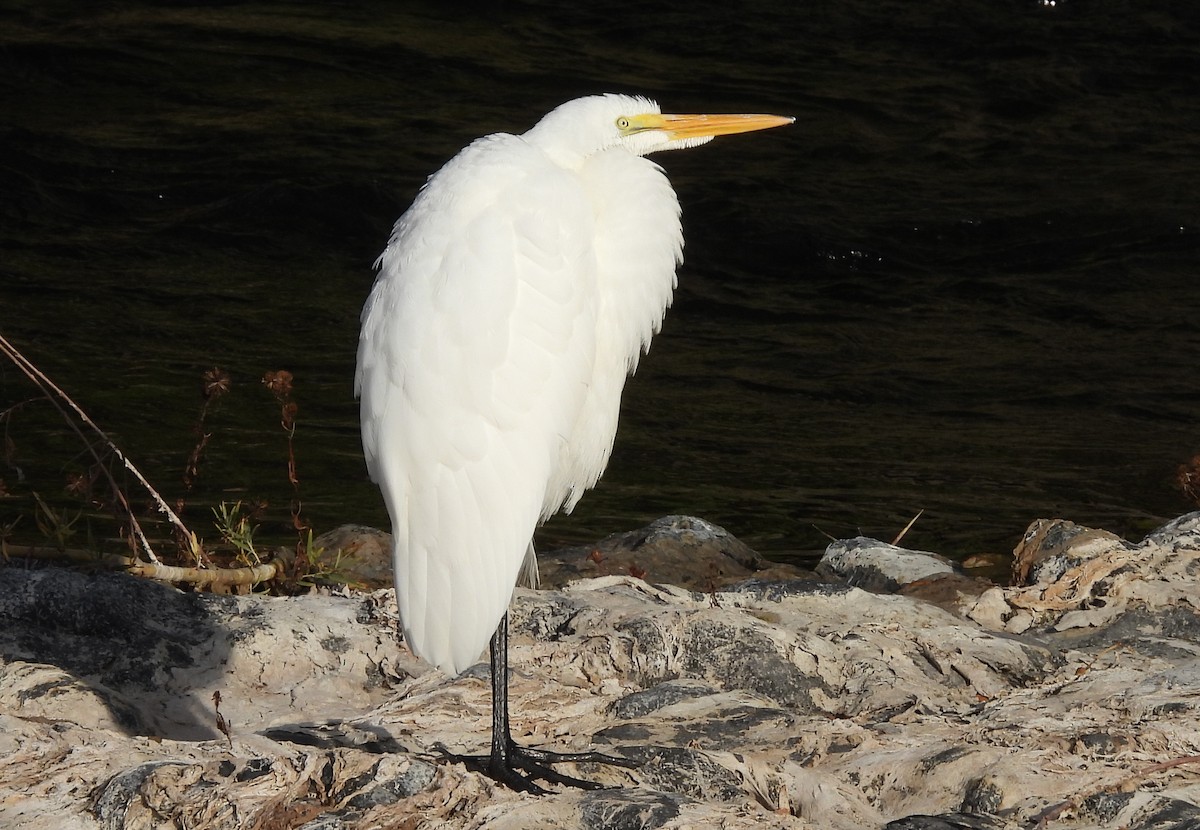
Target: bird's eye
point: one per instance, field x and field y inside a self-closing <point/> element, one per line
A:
<point x="622" y="123"/>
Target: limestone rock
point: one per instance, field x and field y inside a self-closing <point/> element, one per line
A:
<point x="776" y="704"/>
<point x="1073" y="578"/>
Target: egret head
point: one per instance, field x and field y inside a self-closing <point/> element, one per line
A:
<point x="579" y="128"/>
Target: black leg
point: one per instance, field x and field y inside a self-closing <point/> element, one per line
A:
<point x="499" y="763"/>
<point x="516" y="766"/>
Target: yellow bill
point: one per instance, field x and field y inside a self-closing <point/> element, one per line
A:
<point x="704" y="126"/>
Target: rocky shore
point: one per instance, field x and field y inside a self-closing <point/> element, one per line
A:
<point x="889" y="690"/>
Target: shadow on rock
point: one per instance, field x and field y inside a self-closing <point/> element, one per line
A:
<point x="130" y="653"/>
<point x="120" y="653"/>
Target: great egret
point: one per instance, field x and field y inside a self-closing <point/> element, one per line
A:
<point x="514" y="297"/>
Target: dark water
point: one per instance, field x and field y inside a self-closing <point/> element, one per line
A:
<point x="964" y="281"/>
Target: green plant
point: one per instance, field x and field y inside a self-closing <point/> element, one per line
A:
<point x="313" y="569"/>
<point x="57" y="526"/>
<point x="235" y="528"/>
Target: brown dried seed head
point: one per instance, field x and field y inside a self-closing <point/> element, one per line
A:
<point x="280" y="383"/>
<point x="1187" y="479"/>
<point x="215" y="382"/>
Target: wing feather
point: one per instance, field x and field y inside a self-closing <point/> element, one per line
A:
<point x="476" y="350"/>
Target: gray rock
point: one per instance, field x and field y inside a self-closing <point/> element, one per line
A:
<point x="675" y="550"/>
<point x="946" y="821"/>
<point x="877" y="566"/>
<point x="628" y="810"/>
<point x="644" y="702"/>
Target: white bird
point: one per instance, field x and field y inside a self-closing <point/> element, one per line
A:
<point x="513" y="299"/>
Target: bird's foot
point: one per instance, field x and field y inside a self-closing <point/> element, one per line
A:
<point x="519" y="767"/>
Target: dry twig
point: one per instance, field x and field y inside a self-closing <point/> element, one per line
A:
<point x="58" y="398"/>
<point x="908" y="527"/>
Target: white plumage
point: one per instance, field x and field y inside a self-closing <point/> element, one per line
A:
<point x="513" y="299"/>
